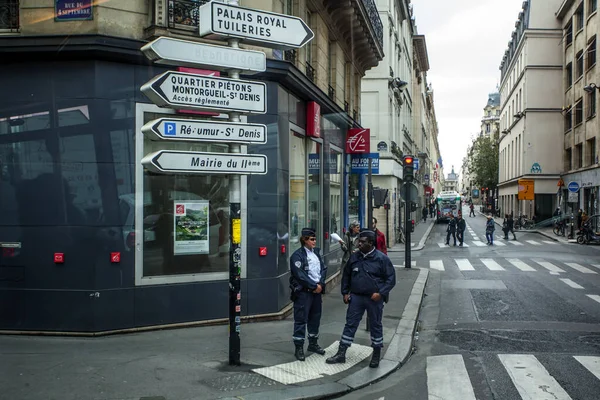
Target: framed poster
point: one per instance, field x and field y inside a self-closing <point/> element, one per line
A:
<point x="71" y="10"/>
<point x="191" y="227"/>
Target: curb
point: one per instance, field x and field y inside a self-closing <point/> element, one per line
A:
<point x="421" y="244"/>
<point x="398" y="351"/>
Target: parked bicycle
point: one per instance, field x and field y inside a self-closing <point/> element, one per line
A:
<point x="522" y="222"/>
<point x="560" y="228"/>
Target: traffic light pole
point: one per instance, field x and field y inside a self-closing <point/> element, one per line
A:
<point x="407" y="229"/>
<point x="369" y="224"/>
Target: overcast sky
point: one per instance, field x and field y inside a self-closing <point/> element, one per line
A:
<point x="466" y="40"/>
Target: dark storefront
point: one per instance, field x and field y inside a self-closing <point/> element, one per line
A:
<point x="71" y="185"/>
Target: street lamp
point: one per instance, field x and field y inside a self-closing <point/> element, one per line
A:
<point x="590" y="88"/>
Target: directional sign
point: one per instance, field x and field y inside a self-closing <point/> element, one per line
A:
<point x="263" y="28"/>
<point x="190" y="162"/>
<point x="169" y="51"/>
<point x="204" y="131"/>
<point x="206" y="93"/>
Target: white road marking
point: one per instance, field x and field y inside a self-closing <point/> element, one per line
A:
<point x="515" y="243"/>
<point x="500" y="244"/>
<point x="464" y="264"/>
<point x="533" y="242"/>
<point x="581" y="268"/>
<point x="413" y="263"/>
<point x="594" y="297"/>
<point x="596" y="265"/>
<point x="436" y="264"/>
<point x="442" y="244"/>
<point x="571" y="283"/>
<point x="554" y="273"/>
<point x="531" y="378"/>
<point x="590" y="363"/>
<point x="520" y="264"/>
<point x="492" y="265"/>
<point x="448" y="379"/>
<point x="549" y="242"/>
<point x="549" y="266"/>
<point x="478" y="243"/>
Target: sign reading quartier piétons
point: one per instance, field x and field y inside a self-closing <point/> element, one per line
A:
<point x="202" y="92"/>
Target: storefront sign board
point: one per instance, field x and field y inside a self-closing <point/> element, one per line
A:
<point x="358" y="140"/>
<point x="206" y="93"/>
<point x="190" y="162"/>
<point x="313" y="119"/>
<point x="359" y="163"/>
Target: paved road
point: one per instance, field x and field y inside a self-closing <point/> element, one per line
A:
<point x="517" y="320"/>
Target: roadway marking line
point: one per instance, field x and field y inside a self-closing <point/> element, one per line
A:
<point x="590" y="363"/>
<point x="520" y="264"/>
<point x="596" y="265"/>
<point x="492" y="265"/>
<point x="448" y="379"/>
<point x="436" y="264"/>
<point x="571" y="283"/>
<point x="499" y="244"/>
<point x="549" y="242"/>
<point x="549" y="266"/>
<point x="478" y="243"/>
<point x="581" y="268"/>
<point x="530" y="377"/>
<point x="533" y="242"/>
<point x="464" y="264"/>
<point x="554" y="273"/>
<point x="413" y="263"/>
<point x="515" y="243"/>
<point x="594" y="297"/>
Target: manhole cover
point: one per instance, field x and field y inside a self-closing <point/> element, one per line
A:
<point x="239" y="381"/>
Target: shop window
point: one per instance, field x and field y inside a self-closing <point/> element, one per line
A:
<point x="336" y="191"/>
<point x="314" y="189"/>
<point x="354" y="197"/>
<point x="297" y="189"/>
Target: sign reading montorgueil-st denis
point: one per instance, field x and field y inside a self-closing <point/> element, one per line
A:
<point x="206" y="93"/>
<point x="193" y="162"/>
<point x="219" y="20"/>
<point x="205" y="131"/>
<point x="169" y="51"/>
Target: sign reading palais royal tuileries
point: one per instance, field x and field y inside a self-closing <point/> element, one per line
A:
<point x="195" y="162"/>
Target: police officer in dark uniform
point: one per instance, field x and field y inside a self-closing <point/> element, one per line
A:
<point x="368" y="278"/>
<point x="307" y="282"/>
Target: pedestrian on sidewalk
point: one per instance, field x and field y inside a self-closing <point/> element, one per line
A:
<point x="471" y="210"/>
<point x="508" y="226"/>
<point x="381" y="242"/>
<point x="367" y="280"/>
<point x="424" y="212"/>
<point x="451" y="230"/>
<point x="461" y="225"/>
<point x="307" y="282"/>
<point x="350" y="242"/>
<point x="489" y="230"/>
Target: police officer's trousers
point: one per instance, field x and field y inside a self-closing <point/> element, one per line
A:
<point x="307" y="313"/>
<point x="356" y="309"/>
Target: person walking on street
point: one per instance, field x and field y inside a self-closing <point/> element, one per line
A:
<point x="461" y="225"/>
<point x="350" y="242"/>
<point x="508" y="226"/>
<point x="579" y="218"/>
<point x="307" y="282"/>
<point x="471" y="210"/>
<point x="431" y="210"/>
<point x="367" y="280"/>
<point x="451" y="230"/>
<point x="489" y="230"/>
<point x="381" y="242"/>
<point x="424" y="212"/>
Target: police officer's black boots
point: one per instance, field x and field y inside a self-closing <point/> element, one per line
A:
<point x="314" y="347"/>
<point x="339" y="357"/>
<point x="299" y="353"/>
<point x="375" y="358"/>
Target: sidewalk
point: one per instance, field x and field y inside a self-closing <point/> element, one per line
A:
<point x="417" y="238"/>
<point x="192" y="363"/>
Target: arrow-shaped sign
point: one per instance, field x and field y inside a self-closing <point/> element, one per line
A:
<point x="169" y="51"/>
<point x="208" y="93"/>
<point x="263" y="28"/>
<point x="190" y="162"/>
<point x="204" y="131"/>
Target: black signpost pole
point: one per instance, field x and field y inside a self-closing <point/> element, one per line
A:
<point x="407" y="226"/>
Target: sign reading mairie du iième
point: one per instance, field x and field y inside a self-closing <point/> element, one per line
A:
<point x="190" y="162"/>
<point x="204" y="131"/>
<point x="219" y="20"/>
<point x="206" y="93"/>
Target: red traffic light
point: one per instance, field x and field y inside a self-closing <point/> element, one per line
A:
<point x="408" y="160"/>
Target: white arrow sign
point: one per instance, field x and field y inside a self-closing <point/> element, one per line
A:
<point x="263" y="28"/>
<point x="169" y="51"/>
<point x="204" y="131"/>
<point x="189" y="162"/>
<point x="202" y="92"/>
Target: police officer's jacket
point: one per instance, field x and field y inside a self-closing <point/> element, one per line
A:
<point x="368" y="274"/>
<point x="299" y="279"/>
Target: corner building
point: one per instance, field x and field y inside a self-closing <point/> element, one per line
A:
<point x="74" y="195"/>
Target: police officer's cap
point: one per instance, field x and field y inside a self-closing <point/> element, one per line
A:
<point x="366" y="233"/>
<point x="308" y="232"/>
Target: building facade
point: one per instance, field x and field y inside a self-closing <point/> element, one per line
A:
<point x="580" y="26"/>
<point x="530" y="118"/>
<point x="73" y="191"/>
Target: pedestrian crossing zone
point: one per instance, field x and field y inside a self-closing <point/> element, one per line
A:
<point x="507" y="264"/>
<point x="499" y="242"/>
<point x="448" y="377"/>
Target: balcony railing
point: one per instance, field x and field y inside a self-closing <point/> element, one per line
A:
<point x="376" y="23"/>
<point x="184" y="13"/>
<point x="331" y="92"/>
<point x="9" y="15"/>
<point x="310" y="72"/>
<point x="290" y="55"/>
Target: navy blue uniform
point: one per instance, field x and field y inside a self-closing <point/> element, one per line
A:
<point x="307" y="305"/>
<point x="364" y="275"/>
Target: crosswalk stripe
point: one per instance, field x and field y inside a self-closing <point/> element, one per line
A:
<point x="448" y="379"/>
<point x="596" y="265"/>
<point x="413" y="263"/>
<point x="436" y="264"/>
<point x="581" y="268"/>
<point x="549" y="266"/>
<point x="515" y="243"/>
<point x="533" y="242"/>
<point x="590" y="363"/>
<point x="549" y="242"/>
<point x="594" y="297"/>
<point x="492" y="265"/>
<point x="478" y="243"/>
<point x="500" y="244"/>
<point x="520" y="264"/>
<point x="464" y="264"/>
<point x="571" y="283"/>
<point x="531" y="378"/>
